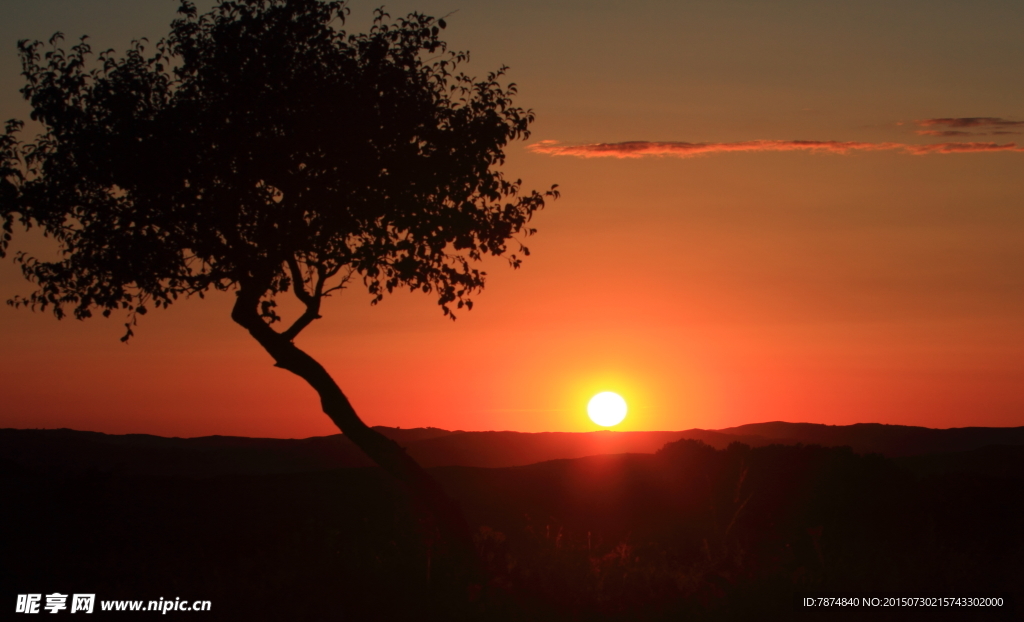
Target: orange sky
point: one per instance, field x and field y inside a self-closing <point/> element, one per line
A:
<point x="710" y="291"/>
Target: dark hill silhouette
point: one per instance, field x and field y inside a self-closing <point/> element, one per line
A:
<point x="993" y="461"/>
<point x="888" y="440"/>
<point x="62" y="450"/>
<point x="216" y="455"/>
<point x="49" y="450"/>
<point x="407" y="436"/>
<point x="688" y="532"/>
<point x="505" y="449"/>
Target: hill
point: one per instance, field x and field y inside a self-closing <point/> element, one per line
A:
<point x="688" y="532"/>
<point x="62" y="450"/>
<point x="888" y="440"/>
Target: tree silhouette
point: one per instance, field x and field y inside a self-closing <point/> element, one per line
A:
<point x="263" y="150"/>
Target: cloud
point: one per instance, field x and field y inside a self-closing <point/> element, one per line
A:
<point x="957" y="132"/>
<point x="980" y="122"/>
<point x="949" y="133"/>
<point x="640" y="149"/>
<point x="960" y="148"/>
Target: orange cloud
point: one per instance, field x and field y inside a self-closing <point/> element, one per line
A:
<point x="960" y="148"/>
<point x="640" y="149"/>
<point x="948" y="133"/>
<point x="985" y="122"/>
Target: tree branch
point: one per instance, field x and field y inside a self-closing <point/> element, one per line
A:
<point x="312" y="301"/>
<point x="298" y="281"/>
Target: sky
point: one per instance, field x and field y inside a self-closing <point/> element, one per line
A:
<point x="798" y="211"/>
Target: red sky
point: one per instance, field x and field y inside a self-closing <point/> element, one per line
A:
<point x="804" y="212"/>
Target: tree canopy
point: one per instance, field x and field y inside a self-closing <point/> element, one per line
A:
<point x="262" y="147"/>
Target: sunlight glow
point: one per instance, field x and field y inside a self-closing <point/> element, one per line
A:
<point x="607" y="409"/>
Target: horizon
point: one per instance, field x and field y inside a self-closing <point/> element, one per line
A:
<point x="599" y="431"/>
<point x="769" y="213"/>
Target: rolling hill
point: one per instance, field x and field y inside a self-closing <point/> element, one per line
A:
<point x="59" y="450"/>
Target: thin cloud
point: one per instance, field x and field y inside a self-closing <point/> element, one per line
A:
<point x="960" y="148"/>
<point x="640" y="149"/>
<point x="980" y="122"/>
<point x="949" y="133"/>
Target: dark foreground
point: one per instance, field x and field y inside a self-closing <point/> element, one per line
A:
<point x="688" y="533"/>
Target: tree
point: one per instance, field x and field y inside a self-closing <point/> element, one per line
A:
<point x="263" y="150"/>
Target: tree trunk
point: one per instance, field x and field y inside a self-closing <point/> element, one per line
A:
<point x="388" y="454"/>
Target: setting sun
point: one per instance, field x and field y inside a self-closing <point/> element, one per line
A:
<point x="607" y="409"/>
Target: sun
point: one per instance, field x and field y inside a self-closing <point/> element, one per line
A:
<point x="607" y="409"/>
